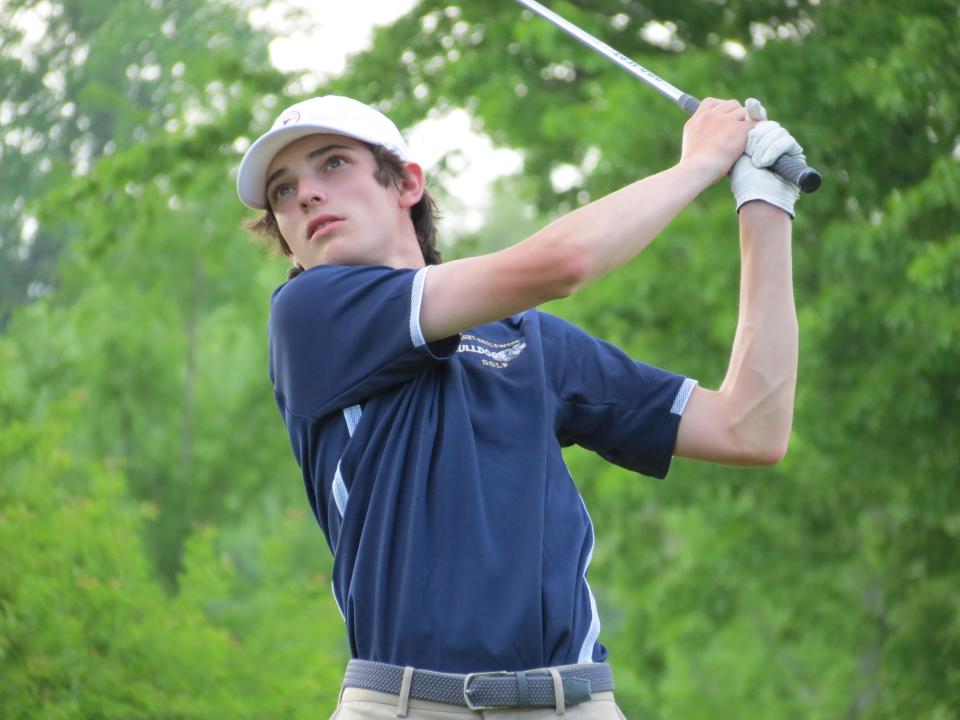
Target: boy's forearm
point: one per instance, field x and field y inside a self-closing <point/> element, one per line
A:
<point x="761" y="379"/>
<point x="608" y="232"/>
<point x="586" y="243"/>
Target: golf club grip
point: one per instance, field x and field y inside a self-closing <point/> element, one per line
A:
<point x="792" y="168"/>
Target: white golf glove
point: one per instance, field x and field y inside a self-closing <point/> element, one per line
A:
<point x="765" y="143"/>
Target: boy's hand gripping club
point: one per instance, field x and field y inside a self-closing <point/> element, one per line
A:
<point x="792" y="168"/>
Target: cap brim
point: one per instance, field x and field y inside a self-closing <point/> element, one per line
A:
<point x="252" y="176"/>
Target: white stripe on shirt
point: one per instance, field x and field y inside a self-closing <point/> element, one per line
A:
<point x="416" y="299"/>
<point x="593" y="632"/>
<point x="352" y="416"/>
<point x="683" y="395"/>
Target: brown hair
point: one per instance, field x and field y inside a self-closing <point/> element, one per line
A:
<point x="390" y="170"/>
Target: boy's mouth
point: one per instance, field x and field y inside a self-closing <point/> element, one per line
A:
<point x="321" y="223"/>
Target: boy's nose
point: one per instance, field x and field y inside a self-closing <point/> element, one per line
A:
<point x="310" y="194"/>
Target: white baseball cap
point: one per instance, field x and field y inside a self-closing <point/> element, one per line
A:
<point x="327" y="114"/>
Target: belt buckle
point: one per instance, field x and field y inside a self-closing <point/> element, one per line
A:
<point x="466" y="688"/>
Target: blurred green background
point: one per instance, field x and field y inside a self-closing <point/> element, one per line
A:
<point x="157" y="555"/>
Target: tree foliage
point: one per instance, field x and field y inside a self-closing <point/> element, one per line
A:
<point x="83" y="80"/>
<point x="156" y="557"/>
<point x="86" y="629"/>
<point x="811" y="589"/>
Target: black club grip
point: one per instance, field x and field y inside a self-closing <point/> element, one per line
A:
<point x="794" y="169"/>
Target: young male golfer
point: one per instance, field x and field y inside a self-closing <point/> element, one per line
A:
<point x="427" y="403"/>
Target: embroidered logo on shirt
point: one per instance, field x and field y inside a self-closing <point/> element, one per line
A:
<point x="497" y="355"/>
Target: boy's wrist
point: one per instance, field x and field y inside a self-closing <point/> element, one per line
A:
<point x="699" y="170"/>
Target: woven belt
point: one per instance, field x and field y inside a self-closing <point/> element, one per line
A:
<point x="481" y="691"/>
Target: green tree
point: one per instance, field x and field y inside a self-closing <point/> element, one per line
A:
<point x="87" y="631"/>
<point x="821" y="587"/>
<point x="83" y="80"/>
<point x="151" y="564"/>
<point x="135" y="410"/>
<point x="154" y="313"/>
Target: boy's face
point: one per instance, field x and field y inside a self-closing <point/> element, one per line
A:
<point x="331" y="210"/>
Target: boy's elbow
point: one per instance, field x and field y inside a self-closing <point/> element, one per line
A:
<point x="575" y="273"/>
<point x="765" y="452"/>
<point x="553" y="264"/>
<point x="770" y="456"/>
<point x="763" y="432"/>
<point x="569" y="269"/>
<point x="758" y="444"/>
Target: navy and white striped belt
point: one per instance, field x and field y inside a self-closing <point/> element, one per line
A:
<point x="485" y="690"/>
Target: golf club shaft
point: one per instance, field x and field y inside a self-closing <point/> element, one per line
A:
<point x="791" y="168"/>
<point x="654" y="81"/>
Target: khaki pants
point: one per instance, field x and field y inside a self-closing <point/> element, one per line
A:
<point x="356" y="704"/>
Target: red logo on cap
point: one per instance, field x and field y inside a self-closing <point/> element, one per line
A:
<point x="291" y="117"/>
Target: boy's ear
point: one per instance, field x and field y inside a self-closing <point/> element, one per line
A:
<point x="412" y="186"/>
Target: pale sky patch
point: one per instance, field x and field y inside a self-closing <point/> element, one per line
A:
<point x="474" y="161"/>
<point x="318" y="36"/>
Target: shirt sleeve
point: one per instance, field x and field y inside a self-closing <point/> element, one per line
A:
<point x="625" y="410"/>
<point x="339" y="335"/>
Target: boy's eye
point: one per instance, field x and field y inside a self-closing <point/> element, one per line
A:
<point x="281" y="191"/>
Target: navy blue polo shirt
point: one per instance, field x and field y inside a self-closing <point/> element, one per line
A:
<point x="460" y="541"/>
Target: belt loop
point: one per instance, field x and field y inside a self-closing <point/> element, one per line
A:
<point x="561" y="701"/>
<point x="405" y="692"/>
<point x="523" y="691"/>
